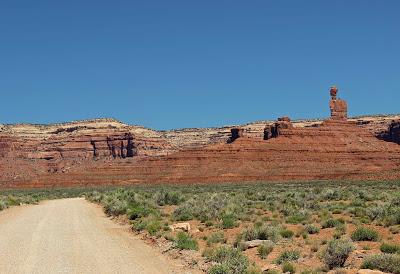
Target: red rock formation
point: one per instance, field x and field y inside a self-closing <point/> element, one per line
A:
<point x="338" y="107"/>
<point x="273" y="131"/>
<point x="108" y="152"/>
<point x="236" y="133"/>
<point x="392" y="133"/>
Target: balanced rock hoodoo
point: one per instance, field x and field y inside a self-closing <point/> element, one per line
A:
<point x="338" y="107"/>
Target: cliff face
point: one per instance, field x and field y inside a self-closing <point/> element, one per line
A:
<point x="105" y="151"/>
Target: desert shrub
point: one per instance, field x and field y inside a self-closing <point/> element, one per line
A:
<point x="287" y="256"/>
<point x="339" y="231"/>
<point x="392" y="217"/>
<point x="390" y="248"/>
<point x="229" y="259"/>
<point x="298" y="217"/>
<point x="135" y="211"/>
<point x="183" y="213"/>
<point x="264" y="232"/>
<point x="153" y="227"/>
<point x="268" y="232"/>
<point x="389" y="263"/>
<point x="288" y="267"/>
<point x="168" y="198"/>
<point x="115" y="207"/>
<point x="250" y="234"/>
<point x="286" y="233"/>
<point x="3" y="205"/>
<point x="330" y="194"/>
<point x="139" y="224"/>
<point x="184" y="241"/>
<point x="94" y="196"/>
<point x="265" y="249"/>
<point x="337" y="252"/>
<point x="253" y="269"/>
<point x="219" y="269"/>
<point x="229" y="221"/>
<point x="332" y="223"/>
<point x="311" y="229"/>
<point x="376" y="212"/>
<point x="209" y="206"/>
<point x="217" y="237"/>
<point x="365" y="234"/>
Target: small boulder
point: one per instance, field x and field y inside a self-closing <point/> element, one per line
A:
<point x="254" y="243"/>
<point x="180" y="226"/>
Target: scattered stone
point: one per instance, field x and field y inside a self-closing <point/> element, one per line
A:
<point x="180" y="226"/>
<point x="254" y="243"/>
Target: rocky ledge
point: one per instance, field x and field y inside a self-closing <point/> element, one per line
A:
<point x="106" y="151"/>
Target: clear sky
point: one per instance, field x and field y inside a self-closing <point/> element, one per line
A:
<point x="173" y="64"/>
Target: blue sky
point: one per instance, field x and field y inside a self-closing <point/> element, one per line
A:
<point x="174" y="64"/>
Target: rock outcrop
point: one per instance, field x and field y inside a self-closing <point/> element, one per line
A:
<point x="273" y="131"/>
<point x="392" y="134"/>
<point x="105" y="151"/>
<point x="338" y="107"/>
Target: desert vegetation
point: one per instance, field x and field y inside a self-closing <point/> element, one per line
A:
<point x="297" y="227"/>
<point x="305" y="227"/>
<point x="9" y="198"/>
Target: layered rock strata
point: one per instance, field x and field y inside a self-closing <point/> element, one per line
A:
<point x="105" y="151"/>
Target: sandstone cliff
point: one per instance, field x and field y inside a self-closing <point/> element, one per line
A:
<point x="107" y="151"/>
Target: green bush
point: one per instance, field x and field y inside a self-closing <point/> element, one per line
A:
<point x="183" y="213"/>
<point x="228" y="221"/>
<point x="115" y="207"/>
<point x="312" y="229"/>
<point x="184" y="241"/>
<point x="228" y="259"/>
<point x="339" y="231"/>
<point x="219" y="269"/>
<point x="217" y="237"/>
<point x="384" y="262"/>
<point x="332" y="223"/>
<point x="3" y="205"/>
<point x="135" y="211"/>
<point x="168" y="198"/>
<point x="287" y="256"/>
<point x="337" y="252"/>
<point x="268" y="232"/>
<point x="265" y="249"/>
<point x="390" y="248"/>
<point x="139" y="224"/>
<point x="286" y="233"/>
<point x="298" y="217"/>
<point x="264" y="232"/>
<point x="153" y="227"/>
<point x="288" y="267"/>
<point x="250" y="234"/>
<point x="365" y="234"/>
<point x="393" y="218"/>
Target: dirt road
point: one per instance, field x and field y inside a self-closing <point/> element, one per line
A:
<point x="72" y="236"/>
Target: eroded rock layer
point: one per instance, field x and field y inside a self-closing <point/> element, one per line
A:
<point x="105" y="151"/>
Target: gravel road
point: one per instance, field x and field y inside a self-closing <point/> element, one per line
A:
<point x="73" y="236"/>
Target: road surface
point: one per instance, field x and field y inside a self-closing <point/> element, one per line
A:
<point x="73" y="236"/>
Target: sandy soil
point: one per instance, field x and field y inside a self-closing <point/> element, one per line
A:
<point x="73" y="236"/>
